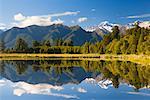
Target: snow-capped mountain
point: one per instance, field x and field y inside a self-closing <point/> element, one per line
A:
<point x="105" y="83"/>
<point x="100" y="81"/>
<point x="103" y="28"/>
<point x="145" y="24"/>
<point x="106" y="27"/>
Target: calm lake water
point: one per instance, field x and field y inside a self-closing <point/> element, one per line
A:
<point x="74" y="80"/>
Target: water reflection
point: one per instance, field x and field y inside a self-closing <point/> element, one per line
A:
<point x="49" y="77"/>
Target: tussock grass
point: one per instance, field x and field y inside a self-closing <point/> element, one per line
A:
<point x="140" y="59"/>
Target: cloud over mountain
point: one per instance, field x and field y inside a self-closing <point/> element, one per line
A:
<point x="2" y="26"/>
<point x="42" y="20"/>
<point x="138" y="16"/>
<point x="82" y="19"/>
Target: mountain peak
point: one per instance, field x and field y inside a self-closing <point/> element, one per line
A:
<point x="105" y="23"/>
<point x="145" y="24"/>
<point x="103" y="26"/>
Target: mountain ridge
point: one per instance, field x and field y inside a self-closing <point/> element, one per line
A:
<point x="106" y="27"/>
<point x="56" y="31"/>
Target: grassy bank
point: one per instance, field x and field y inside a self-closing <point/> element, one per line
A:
<point x="140" y="59"/>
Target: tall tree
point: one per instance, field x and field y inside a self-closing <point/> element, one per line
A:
<point x="35" y="44"/>
<point x="21" y="45"/>
<point x="141" y="39"/>
<point x="47" y="43"/>
<point x="115" y="33"/>
<point x="59" y="42"/>
<point x="86" y="47"/>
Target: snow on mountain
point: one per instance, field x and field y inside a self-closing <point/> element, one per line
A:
<point x="102" y="29"/>
<point x="105" y="26"/>
<point x="145" y="24"/>
<point x="90" y="80"/>
<point x="105" y="83"/>
<point x="102" y="83"/>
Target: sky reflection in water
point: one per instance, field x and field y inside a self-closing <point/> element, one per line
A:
<point x="73" y="82"/>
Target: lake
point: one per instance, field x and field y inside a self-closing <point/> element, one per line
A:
<point x="74" y="80"/>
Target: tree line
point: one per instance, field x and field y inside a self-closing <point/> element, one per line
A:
<point x="135" y="41"/>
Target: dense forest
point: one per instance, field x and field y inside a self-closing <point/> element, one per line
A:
<point x="134" y="41"/>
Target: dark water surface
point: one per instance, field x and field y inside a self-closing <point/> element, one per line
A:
<point x="75" y="80"/>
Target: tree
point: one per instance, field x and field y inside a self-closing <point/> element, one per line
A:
<point x="21" y="45"/>
<point x="93" y="48"/>
<point x="68" y="43"/>
<point x="47" y="43"/>
<point x="141" y="39"/>
<point x="86" y="47"/>
<point x="124" y="46"/>
<point x="58" y="42"/>
<point x="117" y="48"/>
<point x="21" y="67"/>
<point x="35" y="44"/>
<point x="132" y="45"/>
<point x="115" y="81"/>
<point x="115" y="33"/>
<point x="110" y="46"/>
<point x="2" y="46"/>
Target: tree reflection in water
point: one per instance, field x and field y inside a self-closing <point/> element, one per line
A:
<point x="59" y="72"/>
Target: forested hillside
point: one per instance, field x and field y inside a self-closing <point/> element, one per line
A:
<point x="134" y="41"/>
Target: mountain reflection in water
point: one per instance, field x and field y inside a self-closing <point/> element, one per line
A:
<point x="45" y="77"/>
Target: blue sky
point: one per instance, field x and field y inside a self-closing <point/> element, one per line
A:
<point x="72" y="12"/>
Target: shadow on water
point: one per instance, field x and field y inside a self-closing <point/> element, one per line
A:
<point x="60" y="72"/>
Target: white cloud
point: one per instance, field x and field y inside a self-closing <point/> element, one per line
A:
<point x="2" y="26"/>
<point x="19" y="92"/>
<point x="36" y="20"/>
<point x="81" y="90"/>
<point x="64" y="14"/>
<point x="20" y="88"/>
<point x="2" y="83"/>
<point x="138" y="16"/>
<point x="42" y="20"/>
<point x="82" y="19"/>
<point x="34" y="89"/>
<point x="43" y="89"/>
<point x="138" y="93"/>
<point x="19" y="17"/>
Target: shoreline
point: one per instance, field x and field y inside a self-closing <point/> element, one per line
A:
<point x="139" y="59"/>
